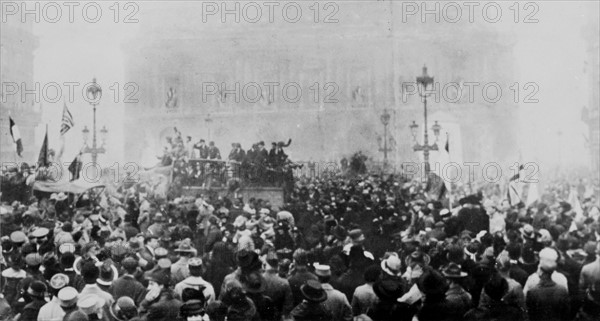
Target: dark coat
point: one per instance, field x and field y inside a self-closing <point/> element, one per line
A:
<point x="128" y="286"/>
<point x="307" y="311"/>
<point x="548" y="301"/>
<point x="31" y="310"/>
<point x="496" y="311"/>
<point x="297" y="280"/>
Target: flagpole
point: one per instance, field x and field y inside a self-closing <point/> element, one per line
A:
<point x="450" y="196"/>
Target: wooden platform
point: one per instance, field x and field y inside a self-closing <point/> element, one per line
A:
<point x="273" y="194"/>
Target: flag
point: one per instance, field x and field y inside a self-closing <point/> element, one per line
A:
<point x="515" y="188"/>
<point x="16" y="136"/>
<point x="532" y="194"/>
<point x="447" y="147"/>
<point x="75" y="167"/>
<point x="575" y="204"/>
<point x="436" y="187"/>
<point x="67" y="120"/>
<point x="43" y="160"/>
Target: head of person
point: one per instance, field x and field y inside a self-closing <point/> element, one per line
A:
<point x="152" y="241"/>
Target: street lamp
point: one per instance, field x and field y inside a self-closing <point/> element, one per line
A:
<point x="208" y="120"/>
<point x="95" y="91"/>
<point x="423" y="82"/>
<point x="385" y="120"/>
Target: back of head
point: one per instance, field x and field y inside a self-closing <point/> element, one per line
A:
<point x="496" y="287"/>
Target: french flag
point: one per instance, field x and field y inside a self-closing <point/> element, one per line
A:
<point x="16" y="136"/>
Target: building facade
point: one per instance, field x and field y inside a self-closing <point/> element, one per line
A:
<point x="323" y="85"/>
<point x="17" y="47"/>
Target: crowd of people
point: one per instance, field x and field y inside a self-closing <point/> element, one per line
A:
<point x="341" y="248"/>
<point x="195" y="164"/>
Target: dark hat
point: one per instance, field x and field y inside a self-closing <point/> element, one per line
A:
<point x="453" y="271"/>
<point x="300" y="256"/>
<point x="123" y="309"/>
<point x="339" y="232"/>
<point x="388" y="289"/>
<point x="37" y="289"/>
<point x="129" y="263"/>
<point x="254" y="283"/>
<point x="272" y="259"/>
<point x="191" y="308"/>
<point x="108" y="274"/>
<point x="356" y="235"/>
<point x="432" y="283"/>
<point x="313" y="291"/>
<point x="496" y="287"/>
<point x="418" y="257"/>
<point x="90" y="272"/>
<point x="161" y="277"/>
<point x="248" y="260"/>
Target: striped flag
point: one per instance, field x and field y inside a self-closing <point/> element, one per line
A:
<point x="75" y="167"/>
<point x="43" y="158"/>
<point x="16" y="136"/>
<point x="515" y="188"/>
<point x="67" y="120"/>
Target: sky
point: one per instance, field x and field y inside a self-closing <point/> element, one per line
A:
<point x="550" y="53"/>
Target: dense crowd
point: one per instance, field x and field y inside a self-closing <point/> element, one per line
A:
<point x="362" y="248"/>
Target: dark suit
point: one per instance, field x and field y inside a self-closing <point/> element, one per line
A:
<point x="202" y="151"/>
<point x="127" y="285"/>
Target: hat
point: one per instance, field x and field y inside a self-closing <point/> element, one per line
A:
<point x="161" y="277"/>
<point x="254" y="283"/>
<point x="248" y="260"/>
<point x="158" y="217"/>
<point x="195" y="262"/>
<point x="387" y="289"/>
<point x="453" y="271"/>
<point x="40" y="232"/>
<point x="67" y="296"/>
<point x="18" y="237"/>
<point x="77" y="316"/>
<point x="272" y="259"/>
<point x="61" y="196"/>
<point x="432" y="283"/>
<point x="322" y="270"/>
<point x="313" y="291"/>
<point x="300" y="256"/>
<point x="59" y="281"/>
<point x="191" y="308"/>
<point x="548" y="259"/>
<point x="66" y="248"/>
<point x="164" y="263"/>
<point x="33" y="259"/>
<point x="545" y="236"/>
<point x="439" y="224"/>
<point x="339" y="232"/>
<point x="108" y="274"/>
<point x="160" y="252"/>
<point x="129" y="263"/>
<point x="356" y="235"/>
<point x="89" y="304"/>
<point x="37" y="289"/>
<point x="123" y="309"/>
<point x="527" y="231"/>
<point x="391" y="265"/>
<point x="418" y="257"/>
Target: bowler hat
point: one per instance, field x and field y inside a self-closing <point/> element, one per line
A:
<point x="37" y="289"/>
<point x="123" y="309"/>
<point x="453" y="271"/>
<point x="248" y="260"/>
<point x="387" y="289"/>
<point x="312" y="291"/>
<point x="192" y="308"/>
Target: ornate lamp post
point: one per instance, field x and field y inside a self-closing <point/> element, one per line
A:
<point x="95" y="92"/>
<point x="385" y="120"/>
<point x="423" y="82"/>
